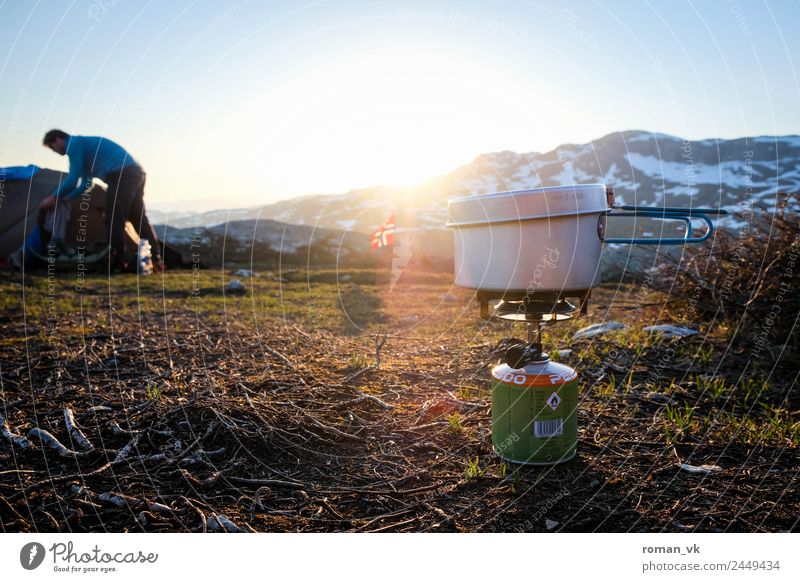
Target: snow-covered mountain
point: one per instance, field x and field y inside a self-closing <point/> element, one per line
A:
<point x="644" y="168"/>
<point x="654" y="169"/>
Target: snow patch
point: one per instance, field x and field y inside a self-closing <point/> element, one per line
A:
<point x="347" y="224"/>
<point x="729" y="174"/>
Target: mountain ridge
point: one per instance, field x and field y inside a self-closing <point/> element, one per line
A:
<point x="643" y="167"/>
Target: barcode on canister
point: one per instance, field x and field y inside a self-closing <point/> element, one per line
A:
<point x="548" y="428"/>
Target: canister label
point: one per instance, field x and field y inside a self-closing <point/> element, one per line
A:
<point x="520" y="378"/>
<point x="534" y="417"/>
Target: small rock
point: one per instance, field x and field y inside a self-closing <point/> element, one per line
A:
<point x="221" y="522"/>
<point x="235" y="286"/>
<point x="670" y="331"/>
<point x="597" y="329"/>
<point x="264" y="492"/>
<point x="658" y="397"/>
<point x="700" y="469"/>
<point x="280" y="279"/>
<point x="345" y="277"/>
<point x="245" y="273"/>
<point x="449" y="298"/>
<point x="563" y="353"/>
<point x="550" y="524"/>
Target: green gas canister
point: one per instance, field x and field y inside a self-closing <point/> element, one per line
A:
<point x="535" y="412"/>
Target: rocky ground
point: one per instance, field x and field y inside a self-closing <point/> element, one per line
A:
<point x="320" y="401"/>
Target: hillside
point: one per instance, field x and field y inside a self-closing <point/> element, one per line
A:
<point x="263" y="240"/>
<point x="644" y="168"/>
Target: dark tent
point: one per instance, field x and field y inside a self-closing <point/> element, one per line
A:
<point x="19" y="214"/>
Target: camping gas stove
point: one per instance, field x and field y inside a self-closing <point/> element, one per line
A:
<point x="534" y="400"/>
<point x="538" y="253"/>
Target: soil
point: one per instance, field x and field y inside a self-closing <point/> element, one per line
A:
<point x="237" y="418"/>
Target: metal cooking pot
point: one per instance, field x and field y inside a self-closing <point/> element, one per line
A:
<point x="547" y="239"/>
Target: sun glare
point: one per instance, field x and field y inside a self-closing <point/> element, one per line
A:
<point x="392" y="117"/>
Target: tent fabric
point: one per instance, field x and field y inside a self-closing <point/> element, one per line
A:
<point x="86" y="232"/>
<point x="19" y="172"/>
<point x="35" y="243"/>
<point x="19" y="213"/>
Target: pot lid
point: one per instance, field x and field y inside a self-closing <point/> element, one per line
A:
<point x="518" y="205"/>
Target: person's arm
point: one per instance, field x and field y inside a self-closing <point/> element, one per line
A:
<point x="69" y="185"/>
<point x="51" y="201"/>
<point x="80" y="187"/>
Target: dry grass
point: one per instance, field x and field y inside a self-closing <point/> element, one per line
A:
<point x="747" y="280"/>
<point x="269" y="409"/>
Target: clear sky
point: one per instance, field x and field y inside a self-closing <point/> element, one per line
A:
<point x="236" y="104"/>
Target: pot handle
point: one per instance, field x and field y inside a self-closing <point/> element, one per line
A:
<point x="666" y="213"/>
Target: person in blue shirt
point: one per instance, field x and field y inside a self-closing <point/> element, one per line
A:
<point x="99" y="157"/>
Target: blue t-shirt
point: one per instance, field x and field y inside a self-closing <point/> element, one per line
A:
<point x="91" y="157"/>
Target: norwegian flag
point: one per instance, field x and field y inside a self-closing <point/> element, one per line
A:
<point x="384" y="236"/>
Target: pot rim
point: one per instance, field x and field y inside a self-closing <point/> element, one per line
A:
<point x="524" y="205"/>
<point x="542" y="190"/>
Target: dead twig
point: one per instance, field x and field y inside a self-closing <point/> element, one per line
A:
<point x="367" y="398"/>
<point x="75" y="433"/>
<point x="358" y="373"/>
<point x="52" y="442"/>
<point x="15" y="439"/>
<point x="128" y="449"/>
<point x="380" y="340"/>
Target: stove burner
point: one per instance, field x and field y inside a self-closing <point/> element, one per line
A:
<point x="534" y="306"/>
<point x="535" y="311"/>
